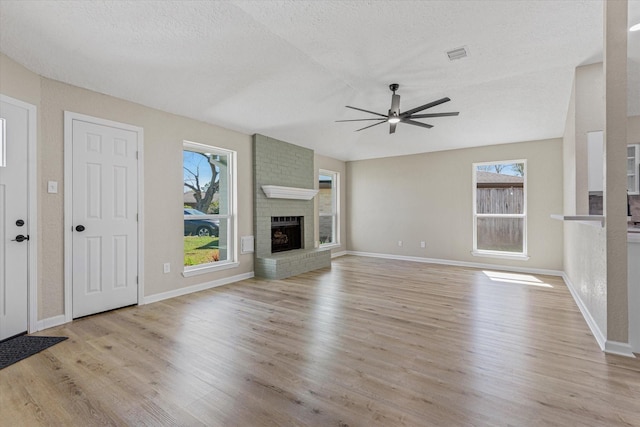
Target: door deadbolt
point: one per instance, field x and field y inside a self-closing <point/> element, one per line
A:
<point x="19" y="223"/>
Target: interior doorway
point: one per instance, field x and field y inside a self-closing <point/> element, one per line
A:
<point x="102" y="212"/>
<point x="18" y="221"/>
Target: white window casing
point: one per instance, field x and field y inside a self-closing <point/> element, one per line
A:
<point x="479" y="216"/>
<point x="226" y="216"/>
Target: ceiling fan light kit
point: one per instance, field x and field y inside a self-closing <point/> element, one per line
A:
<point x="394" y="116"/>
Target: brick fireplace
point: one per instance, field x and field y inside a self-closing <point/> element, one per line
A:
<point x="288" y="166"/>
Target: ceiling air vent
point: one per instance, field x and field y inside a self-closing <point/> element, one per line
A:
<point x="458" y="53"/>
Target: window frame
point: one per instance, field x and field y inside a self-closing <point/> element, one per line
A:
<point x="335" y="207"/>
<point x="230" y="217"/>
<point x="524" y="215"/>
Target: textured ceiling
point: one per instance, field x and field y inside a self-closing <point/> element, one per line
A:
<point x="286" y="69"/>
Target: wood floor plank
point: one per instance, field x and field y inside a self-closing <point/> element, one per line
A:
<point x="367" y="342"/>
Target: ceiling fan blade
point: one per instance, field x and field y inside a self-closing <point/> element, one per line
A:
<point x="375" y="124"/>
<point x="366" y="111"/>
<point x="358" y="120"/>
<point x="424" y="107"/>
<point x="422" y="116"/>
<point x="413" y="122"/>
<point x="392" y="127"/>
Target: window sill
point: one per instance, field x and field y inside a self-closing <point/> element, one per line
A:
<point x="196" y="271"/>
<point x="502" y="255"/>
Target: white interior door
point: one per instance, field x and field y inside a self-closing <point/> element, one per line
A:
<point x="104" y="217"/>
<point x="14" y="219"/>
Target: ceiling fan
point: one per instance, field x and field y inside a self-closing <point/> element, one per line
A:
<point x="395" y="116"/>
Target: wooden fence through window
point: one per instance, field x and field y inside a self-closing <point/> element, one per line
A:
<point x="500" y="234"/>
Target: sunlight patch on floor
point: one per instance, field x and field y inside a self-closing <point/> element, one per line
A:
<point x="517" y="278"/>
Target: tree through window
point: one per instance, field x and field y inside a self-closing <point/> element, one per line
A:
<point x="201" y="179"/>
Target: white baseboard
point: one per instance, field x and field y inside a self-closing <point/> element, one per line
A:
<point x="609" y="347"/>
<point x="51" y="322"/>
<point x="619" y="348"/>
<point x="459" y="263"/>
<point x="195" y="288"/>
<point x="337" y="254"/>
<point x="62" y="319"/>
<point x="595" y="329"/>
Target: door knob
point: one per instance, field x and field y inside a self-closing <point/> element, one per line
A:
<point x="80" y="228"/>
<point x="20" y="238"/>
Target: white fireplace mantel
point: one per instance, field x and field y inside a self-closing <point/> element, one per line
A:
<point x="279" y="192"/>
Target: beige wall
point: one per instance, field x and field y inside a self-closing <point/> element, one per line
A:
<point x="163" y="136"/>
<point x="428" y="197"/>
<point x="569" y="157"/>
<point x="595" y="258"/>
<point x="18" y="82"/>
<point x="331" y="164"/>
<point x="585" y="258"/>
<point x="585" y="265"/>
<point x="584" y="245"/>
<point x="589" y="117"/>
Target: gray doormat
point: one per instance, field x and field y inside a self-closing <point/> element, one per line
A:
<point x="15" y="349"/>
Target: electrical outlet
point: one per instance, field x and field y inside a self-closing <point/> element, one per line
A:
<point x="167" y="267"/>
<point x="399" y="242"/>
<point x="423" y="244"/>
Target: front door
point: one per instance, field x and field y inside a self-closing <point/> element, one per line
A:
<point x="14" y="219"/>
<point x="104" y="216"/>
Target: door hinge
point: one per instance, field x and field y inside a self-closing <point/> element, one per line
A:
<point x="137" y="218"/>
<point x="137" y="280"/>
<point x="137" y="153"/>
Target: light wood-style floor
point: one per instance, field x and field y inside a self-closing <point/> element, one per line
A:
<point x="367" y="342"/>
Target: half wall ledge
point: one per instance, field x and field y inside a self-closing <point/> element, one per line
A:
<point x="593" y="220"/>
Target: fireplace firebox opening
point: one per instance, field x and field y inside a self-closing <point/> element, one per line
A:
<point x="286" y="233"/>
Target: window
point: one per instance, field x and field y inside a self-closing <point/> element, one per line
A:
<point x="500" y="209"/>
<point x="209" y="208"/>
<point x="328" y="207"/>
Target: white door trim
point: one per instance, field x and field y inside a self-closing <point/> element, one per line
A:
<point x="32" y="166"/>
<point x="69" y="117"/>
